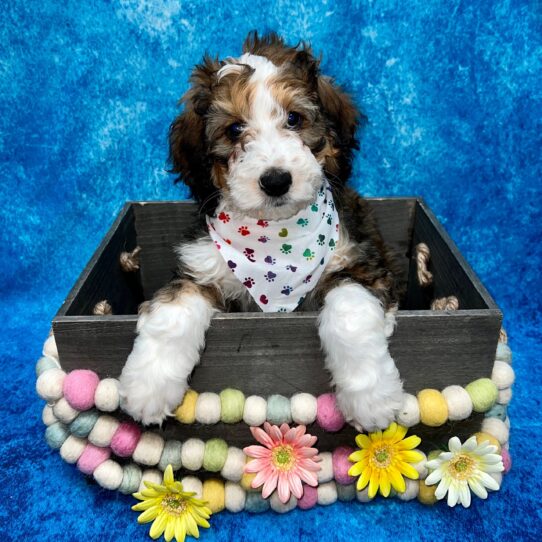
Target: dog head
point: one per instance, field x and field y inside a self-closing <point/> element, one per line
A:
<point x="260" y="132"/>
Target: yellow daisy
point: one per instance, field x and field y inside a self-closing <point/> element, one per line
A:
<point x="383" y="460"/>
<point x="174" y="512"/>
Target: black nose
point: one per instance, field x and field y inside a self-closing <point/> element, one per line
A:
<point x="275" y="182"/>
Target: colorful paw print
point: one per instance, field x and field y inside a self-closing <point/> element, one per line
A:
<point x="329" y="217"/>
<point x="270" y="276"/>
<point x="291" y="268"/>
<point x="262" y="223"/>
<point x="283" y="232"/>
<point x="303" y="222"/>
<point x="308" y="254"/>
<point x="321" y="239"/>
<point x="249" y="253"/>
<point x="263" y="239"/>
<point x="270" y="260"/>
<point x="287" y="290"/>
<point x="248" y="282"/>
<point x="224" y="217"/>
<point x="286" y="249"/>
<point x="314" y="207"/>
<point x="332" y="244"/>
<point x="307" y="279"/>
<point x="243" y="230"/>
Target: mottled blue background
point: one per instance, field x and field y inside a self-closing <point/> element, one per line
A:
<point x="452" y="91"/>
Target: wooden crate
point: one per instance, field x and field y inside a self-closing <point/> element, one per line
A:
<point x="253" y="351"/>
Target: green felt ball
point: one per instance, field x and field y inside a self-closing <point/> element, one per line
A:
<point x="56" y="434"/>
<point x="483" y="394"/>
<point x="232" y="404"/>
<point x="44" y="364"/>
<point x="131" y="478"/>
<point x="255" y="503"/>
<point x="215" y="454"/>
<point x="171" y="455"/>
<point x="83" y="424"/>
<point x="497" y="411"/>
<point x="278" y="409"/>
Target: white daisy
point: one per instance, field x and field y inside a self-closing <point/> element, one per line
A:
<point x="464" y="468"/>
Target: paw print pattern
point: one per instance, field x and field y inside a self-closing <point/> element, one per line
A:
<point x="291" y="268"/>
<point x="307" y="279"/>
<point x="270" y="260"/>
<point x="282" y="309"/>
<point x="224" y="217"/>
<point x="321" y="239"/>
<point x="262" y="223"/>
<point x="248" y="282"/>
<point x="308" y="254"/>
<point x="286" y="249"/>
<point x="329" y="218"/>
<point x="249" y="253"/>
<point x="263" y="239"/>
<point x="303" y="222"/>
<point x="332" y="244"/>
<point x="270" y="276"/>
<point x="287" y="290"/>
<point x="314" y="207"/>
<point x="244" y="231"/>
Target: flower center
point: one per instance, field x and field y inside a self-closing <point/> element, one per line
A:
<point x="462" y="467"/>
<point x="174" y="504"/>
<point x="283" y="457"/>
<point x="382" y="457"/>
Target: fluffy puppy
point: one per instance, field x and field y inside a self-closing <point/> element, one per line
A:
<point x="258" y="137"/>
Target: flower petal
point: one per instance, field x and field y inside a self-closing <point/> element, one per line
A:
<point x="464" y="495"/>
<point x="384" y="484"/>
<point x="191" y="526"/>
<point x="158" y="526"/>
<point x="434" y="477"/>
<point x="257" y="451"/>
<point x="146" y="504"/>
<point x="410" y="456"/>
<point x="453" y="494"/>
<point x="397" y="481"/>
<point x="180" y="529"/>
<point x="270" y="485"/>
<point x="262" y="437"/>
<point x="454" y="445"/>
<point x="358" y="455"/>
<point x="477" y="488"/>
<point x="168" y="475"/>
<point x="149" y="515"/>
<point x="363" y="441"/>
<point x="408" y="470"/>
<point x="400" y="433"/>
<point x="409" y="443"/>
<point x="389" y="433"/>
<point x="255" y="465"/>
<point x="374" y="483"/>
<point x="283" y="488"/>
<point x="295" y="485"/>
<point x="169" y="533"/>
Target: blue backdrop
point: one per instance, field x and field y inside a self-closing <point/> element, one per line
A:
<point x="453" y="94"/>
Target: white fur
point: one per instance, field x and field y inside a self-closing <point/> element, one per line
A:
<point x="352" y="328"/>
<point x="170" y="338"/>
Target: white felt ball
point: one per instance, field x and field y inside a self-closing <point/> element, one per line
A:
<point x="411" y="491"/>
<point x="303" y="407"/>
<point x="325" y="474"/>
<point x="420" y="466"/>
<point x="409" y="413"/>
<point x="64" y="411"/>
<point x="234" y="465"/>
<point x="103" y="431"/>
<point x="191" y="483"/>
<point x="72" y="449"/>
<point x="497" y="476"/>
<point x="106" y="396"/>
<point x="49" y="347"/>
<point x="363" y="496"/>
<point x="326" y="493"/>
<point x="192" y="454"/>
<point x="496" y="428"/>
<point x="208" y="408"/>
<point x="458" y="401"/>
<point x="507" y="422"/>
<point x="150" y="475"/>
<point x="47" y="416"/>
<point x="282" y="507"/>
<point x="108" y="474"/>
<point x="149" y="449"/>
<point x="49" y="384"/>
<point x="502" y="375"/>
<point x="505" y="396"/>
<point x="234" y="497"/>
<point x="255" y="411"/>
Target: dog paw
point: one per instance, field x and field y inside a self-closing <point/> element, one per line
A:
<point x="148" y="392"/>
<point x="371" y="410"/>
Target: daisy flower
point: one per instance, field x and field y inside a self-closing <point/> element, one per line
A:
<point x="174" y="512"/>
<point x="465" y="468"/>
<point x="284" y="461"/>
<point x="383" y="460"/>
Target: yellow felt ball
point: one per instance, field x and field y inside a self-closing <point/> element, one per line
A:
<point x="214" y="494"/>
<point x="186" y="411"/>
<point x="433" y="408"/>
<point x="486" y="437"/>
<point x="246" y="480"/>
<point x="426" y="494"/>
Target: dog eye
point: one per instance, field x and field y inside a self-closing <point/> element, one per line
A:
<point x="294" y="120"/>
<point x="234" y="130"/>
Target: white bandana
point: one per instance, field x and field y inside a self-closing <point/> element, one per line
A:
<point x="279" y="261"/>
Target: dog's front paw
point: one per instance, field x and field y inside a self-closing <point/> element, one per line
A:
<point x="147" y="392"/>
<point x="374" y="409"/>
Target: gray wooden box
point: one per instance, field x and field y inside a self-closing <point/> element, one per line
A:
<point x="254" y="351"/>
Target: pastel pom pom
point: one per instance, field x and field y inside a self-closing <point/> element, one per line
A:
<point x="282" y="507"/>
<point x="502" y="375"/>
<point x="108" y="474"/>
<point x="56" y="434"/>
<point x="131" y="478"/>
<point x="328" y="415"/>
<point x="278" y="409"/>
<point x="506" y="460"/>
<point x="149" y="449"/>
<point x="50" y="383"/>
<point x="215" y="454"/>
<point x="255" y="503"/>
<point x="341" y="464"/>
<point x="325" y="474"/>
<point x="213" y="492"/>
<point x="304" y="407"/>
<point x="483" y="393"/>
<point x="171" y="455"/>
<point x="433" y="408"/>
<point x="106" y="396"/>
<point x="83" y="424"/>
<point x="327" y="493"/>
<point x="255" y="411"/>
<point x="232" y="403"/>
<point x="409" y="414"/>
<point x="125" y="439"/>
<point x="92" y="457"/>
<point x="346" y="493"/>
<point x="234" y="497"/>
<point x="458" y="401"/>
<point x="79" y="388"/>
<point x="186" y="411"/>
<point x="234" y="465"/>
<point x="208" y="408"/>
<point x="309" y="498"/>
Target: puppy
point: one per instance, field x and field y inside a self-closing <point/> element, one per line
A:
<point x="265" y="145"/>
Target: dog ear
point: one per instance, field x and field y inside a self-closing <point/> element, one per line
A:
<point x="343" y="118"/>
<point x="188" y="148"/>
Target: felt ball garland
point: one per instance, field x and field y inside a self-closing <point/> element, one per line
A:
<point x="84" y="436"/>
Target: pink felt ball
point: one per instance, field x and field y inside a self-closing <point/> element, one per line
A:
<point x="506" y="460"/>
<point x="328" y="415"/>
<point x="92" y="457"/>
<point x="79" y="387"/>
<point x="309" y="498"/>
<point x="341" y="464"/>
<point x="125" y="439"/>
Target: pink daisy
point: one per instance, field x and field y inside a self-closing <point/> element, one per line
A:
<point x="284" y="461"/>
